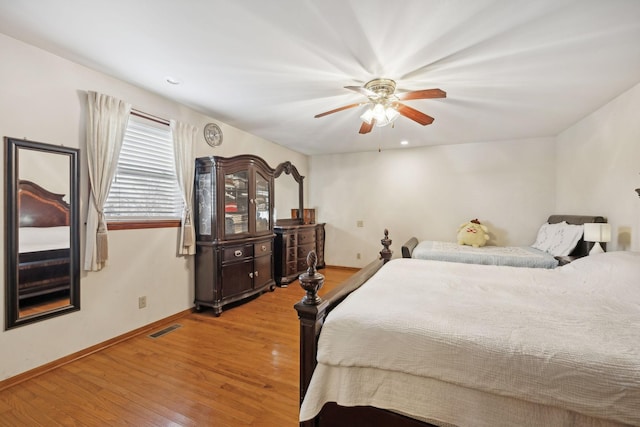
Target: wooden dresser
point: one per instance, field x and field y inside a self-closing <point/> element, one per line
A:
<point x="291" y="247"/>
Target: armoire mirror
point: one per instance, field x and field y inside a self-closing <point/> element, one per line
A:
<point x="289" y="193"/>
<point x="42" y="231"/>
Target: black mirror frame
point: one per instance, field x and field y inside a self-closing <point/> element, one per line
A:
<point x="12" y="317"/>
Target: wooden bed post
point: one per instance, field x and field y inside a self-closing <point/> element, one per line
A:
<point x="311" y="316"/>
<point x="312" y="310"/>
<point x="311" y="281"/>
<point x="386" y="253"/>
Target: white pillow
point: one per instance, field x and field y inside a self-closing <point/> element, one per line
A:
<point x="558" y="239"/>
<point x="545" y="236"/>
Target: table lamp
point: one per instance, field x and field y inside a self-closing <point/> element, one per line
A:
<point x="597" y="232"/>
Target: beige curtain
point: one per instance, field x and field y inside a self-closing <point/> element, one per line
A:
<point x="107" y="119"/>
<point x="184" y="143"/>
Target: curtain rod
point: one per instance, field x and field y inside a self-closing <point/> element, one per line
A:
<point x="149" y="117"/>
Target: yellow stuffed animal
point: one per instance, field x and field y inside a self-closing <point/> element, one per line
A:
<point x="473" y="233"/>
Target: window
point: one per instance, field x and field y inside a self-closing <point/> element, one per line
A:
<point x="145" y="187"/>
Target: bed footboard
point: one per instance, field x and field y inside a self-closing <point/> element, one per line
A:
<point x="43" y="272"/>
<point x="312" y="310"/>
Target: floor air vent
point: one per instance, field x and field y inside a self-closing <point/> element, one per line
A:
<point x="165" y="331"/>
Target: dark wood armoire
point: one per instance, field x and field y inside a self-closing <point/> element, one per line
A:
<point x="234" y="229"/>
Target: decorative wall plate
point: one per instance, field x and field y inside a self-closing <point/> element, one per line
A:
<point x="213" y="134"/>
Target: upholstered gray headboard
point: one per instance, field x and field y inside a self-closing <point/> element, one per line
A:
<point x="582" y="248"/>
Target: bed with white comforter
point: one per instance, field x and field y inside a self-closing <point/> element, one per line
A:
<point x="467" y="344"/>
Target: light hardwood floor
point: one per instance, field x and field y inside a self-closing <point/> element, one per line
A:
<point x="239" y="369"/>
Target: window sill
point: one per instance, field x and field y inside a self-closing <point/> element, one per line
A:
<point x="134" y="225"/>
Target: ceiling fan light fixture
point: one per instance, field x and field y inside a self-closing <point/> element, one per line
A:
<point x="367" y="116"/>
<point x="391" y="113"/>
<point x="380" y="115"/>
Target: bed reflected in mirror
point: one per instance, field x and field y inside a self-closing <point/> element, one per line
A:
<point x="42" y="246"/>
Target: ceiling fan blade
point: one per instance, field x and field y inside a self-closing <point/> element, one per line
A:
<point x="422" y="94"/>
<point x="413" y="114"/>
<point x="362" y="90"/>
<point x="366" y="127"/>
<point x="336" y="110"/>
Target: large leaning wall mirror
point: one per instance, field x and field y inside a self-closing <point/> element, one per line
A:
<point x="42" y="231"/>
<point x="288" y="193"/>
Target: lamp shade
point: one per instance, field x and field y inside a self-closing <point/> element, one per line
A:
<point x="597" y="232"/>
<point x="380" y="115"/>
<point x="367" y="116"/>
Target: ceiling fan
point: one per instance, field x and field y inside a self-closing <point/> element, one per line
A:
<point x="385" y="106"/>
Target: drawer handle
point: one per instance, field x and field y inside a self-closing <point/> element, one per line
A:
<point x="264" y="248"/>
<point x="251" y="275"/>
<point x="238" y="253"/>
<point x="256" y="274"/>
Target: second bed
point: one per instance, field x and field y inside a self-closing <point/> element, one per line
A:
<point x="516" y="256"/>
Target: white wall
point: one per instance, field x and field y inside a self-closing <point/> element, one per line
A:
<point x="428" y="192"/>
<point x="43" y="98"/>
<point x="599" y="168"/>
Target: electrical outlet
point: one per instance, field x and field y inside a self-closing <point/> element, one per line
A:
<point x="142" y="302"/>
<point x="360" y="223"/>
<point x="358" y="255"/>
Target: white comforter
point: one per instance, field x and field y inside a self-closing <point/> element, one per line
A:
<point x="515" y="256"/>
<point x="566" y="338"/>
<point x="36" y="239"/>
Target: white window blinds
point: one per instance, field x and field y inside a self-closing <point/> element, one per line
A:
<point x="145" y="185"/>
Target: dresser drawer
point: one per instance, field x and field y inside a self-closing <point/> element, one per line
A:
<point x="237" y="253"/>
<point x="290" y="253"/>
<point x="290" y="239"/>
<point x="306" y="237"/>
<point x="292" y="268"/>
<point x="302" y="264"/>
<point x="264" y="248"/>
<point x="288" y="244"/>
<point x="304" y="250"/>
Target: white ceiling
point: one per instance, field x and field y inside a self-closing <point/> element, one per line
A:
<point x="512" y="69"/>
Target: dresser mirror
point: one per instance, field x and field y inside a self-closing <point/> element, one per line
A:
<point x="42" y="231"/>
<point x="288" y="193"/>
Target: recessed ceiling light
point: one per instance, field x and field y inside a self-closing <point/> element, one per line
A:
<point x="172" y="80"/>
<point x="404" y="142"/>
